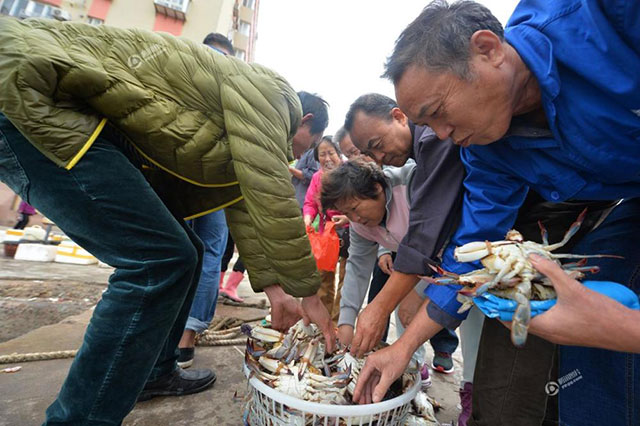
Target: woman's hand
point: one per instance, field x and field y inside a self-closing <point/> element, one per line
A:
<point x="345" y="334"/>
<point x="308" y="220"/>
<point x="385" y="263"/>
<point x="340" y="220"/>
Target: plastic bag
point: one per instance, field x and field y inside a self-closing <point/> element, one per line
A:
<point x="325" y="246"/>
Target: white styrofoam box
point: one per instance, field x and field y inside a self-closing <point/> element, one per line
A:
<point x="70" y="252"/>
<point x="36" y="252"/>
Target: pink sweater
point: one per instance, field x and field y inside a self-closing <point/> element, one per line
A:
<point x="312" y="205"/>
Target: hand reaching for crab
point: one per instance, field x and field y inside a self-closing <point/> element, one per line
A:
<point x="345" y="334"/>
<point x="370" y="327"/>
<point x="314" y="311"/>
<point x="380" y="370"/>
<point x="285" y="310"/>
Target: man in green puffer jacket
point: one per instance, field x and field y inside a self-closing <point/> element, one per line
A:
<point x="119" y="135"/>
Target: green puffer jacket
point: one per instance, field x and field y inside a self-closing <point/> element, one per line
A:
<point x="216" y="130"/>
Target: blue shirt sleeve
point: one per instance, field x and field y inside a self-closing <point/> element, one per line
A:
<point x="490" y="207"/>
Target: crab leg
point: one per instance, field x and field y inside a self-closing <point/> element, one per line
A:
<point x="575" y="226"/>
<point x="544" y="234"/>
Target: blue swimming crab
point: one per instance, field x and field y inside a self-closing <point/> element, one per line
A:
<point x="508" y="272"/>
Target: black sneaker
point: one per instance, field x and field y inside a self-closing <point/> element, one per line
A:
<point x="442" y="363"/>
<point x="185" y="360"/>
<point x="179" y="382"/>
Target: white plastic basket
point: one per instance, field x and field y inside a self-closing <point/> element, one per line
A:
<point x="269" y="407"/>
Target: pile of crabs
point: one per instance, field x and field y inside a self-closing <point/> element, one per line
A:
<point x="295" y="363"/>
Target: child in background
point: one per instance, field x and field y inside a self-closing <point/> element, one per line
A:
<point x="328" y="155"/>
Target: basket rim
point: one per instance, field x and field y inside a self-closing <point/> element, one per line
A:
<point x="336" y="410"/>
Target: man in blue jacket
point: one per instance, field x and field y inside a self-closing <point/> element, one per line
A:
<point x="559" y="93"/>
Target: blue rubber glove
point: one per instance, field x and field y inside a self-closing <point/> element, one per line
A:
<point x="497" y="307"/>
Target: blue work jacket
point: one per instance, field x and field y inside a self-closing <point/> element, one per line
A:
<point x="585" y="55"/>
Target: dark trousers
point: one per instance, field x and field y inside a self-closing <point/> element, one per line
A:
<point x="105" y="205"/>
<point x="228" y="254"/>
<point x="510" y="384"/>
<point x="378" y="280"/>
<point x="23" y="221"/>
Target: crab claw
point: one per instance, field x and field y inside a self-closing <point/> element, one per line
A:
<point x="255" y="350"/>
<point x="520" y="324"/>
<point x="473" y="251"/>
<point x="308" y="355"/>
<point x="438" y="270"/>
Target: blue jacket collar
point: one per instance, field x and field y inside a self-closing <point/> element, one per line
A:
<point x="536" y="51"/>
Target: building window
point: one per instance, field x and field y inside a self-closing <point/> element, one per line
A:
<point x="37" y="10"/>
<point x="244" y="28"/>
<point x="95" y="21"/>
<point x="240" y="54"/>
<point x="175" y="4"/>
<point x="249" y="3"/>
<point x="13" y="7"/>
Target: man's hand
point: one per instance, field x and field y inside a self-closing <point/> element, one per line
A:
<point x="315" y="311"/>
<point x="345" y="334"/>
<point x="285" y="310"/>
<point x="571" y="320"/>
<point x="381" y="369"/>
<point x="340" y="220"/>
<point x="370" y="327"/>
<point x="385" y="263"/>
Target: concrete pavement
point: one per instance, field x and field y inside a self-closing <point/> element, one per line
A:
<point x="25" y="395"/>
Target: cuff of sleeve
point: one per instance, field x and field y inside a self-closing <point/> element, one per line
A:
<point x="444" y="305"/>
<point x="300" y="287"/>
<point x="441" y="317"/>
<point x="410" y="261"/>
<point x="347" y="316"/>
<point x="383" y="252"/>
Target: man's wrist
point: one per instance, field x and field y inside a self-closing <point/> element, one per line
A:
<point x="274" y="292"/>
<point x="406" y="348"/>
<point x="397" y="287"/>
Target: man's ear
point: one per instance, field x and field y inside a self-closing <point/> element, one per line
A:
<point x="397" y="114"/>
<point x="486" y="44"/>
<point x="306" y="119"/>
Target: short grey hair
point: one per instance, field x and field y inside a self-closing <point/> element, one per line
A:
<point x="439" y="38"/>
<point x="340" y="135"/>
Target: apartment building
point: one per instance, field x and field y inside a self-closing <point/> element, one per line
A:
<point x="192" y="19"/>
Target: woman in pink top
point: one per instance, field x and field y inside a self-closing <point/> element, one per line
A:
<point x="327" y="154"/>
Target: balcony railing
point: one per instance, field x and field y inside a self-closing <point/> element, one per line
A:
<point x="176" y="9"/>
